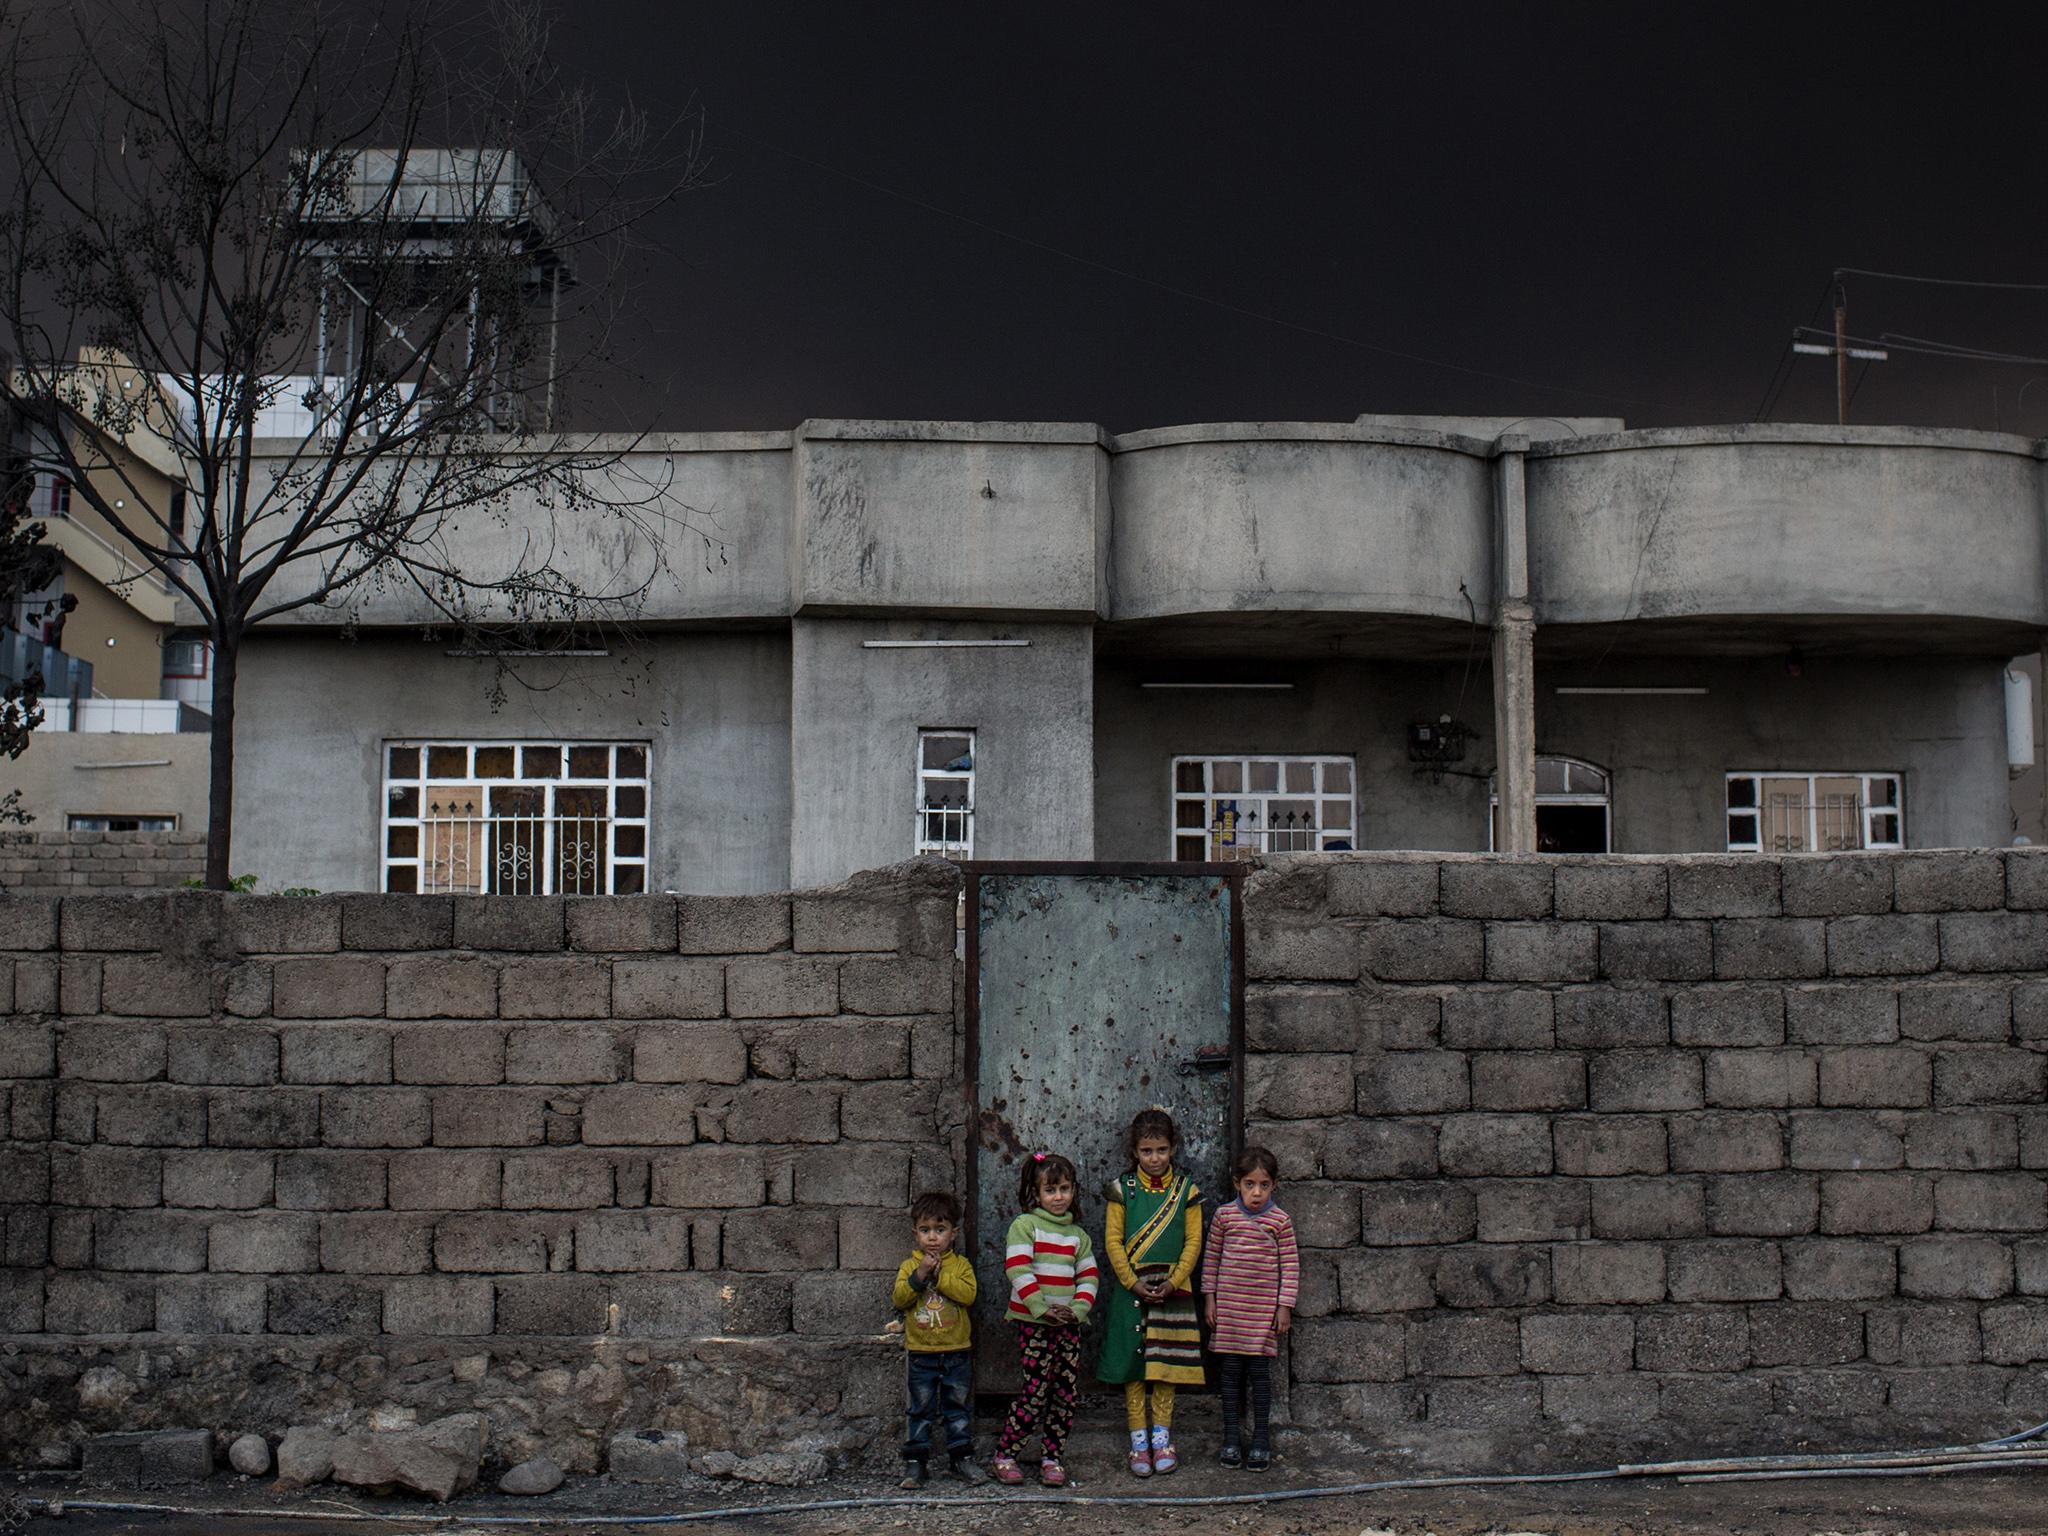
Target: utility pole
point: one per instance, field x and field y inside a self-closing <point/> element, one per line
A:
<point x="1841" y="351"/>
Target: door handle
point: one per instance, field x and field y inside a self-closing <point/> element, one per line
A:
<point x="1214" y="1059"/>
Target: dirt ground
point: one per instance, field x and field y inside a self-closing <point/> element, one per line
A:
<point x="1955" y="1505"/>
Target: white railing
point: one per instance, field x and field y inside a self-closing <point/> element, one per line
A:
<point x="144" y="717"/>
<point x="946" y="830"/>
<point x="517" y="856"/>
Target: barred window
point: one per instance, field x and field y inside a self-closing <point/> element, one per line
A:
<point x="1814" y="812"/>
<point x="1238" y="807"/>
<point x="516" y="818"/>
<point x="945" y="793"/>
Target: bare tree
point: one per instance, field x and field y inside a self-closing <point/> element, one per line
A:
<point x="408" y="238"/>
<point x="28" y="569"/>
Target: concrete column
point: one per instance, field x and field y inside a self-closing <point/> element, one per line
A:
<point x="1514" y="654"/>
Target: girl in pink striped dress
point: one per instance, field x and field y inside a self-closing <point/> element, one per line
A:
<point x="1251" y="1277"/>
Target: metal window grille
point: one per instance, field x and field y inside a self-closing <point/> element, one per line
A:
<point x="945" y="794"/>
<point x="516" y="818"/>
<point x="1814" y="812"/>
<point x="1239" y="807"/>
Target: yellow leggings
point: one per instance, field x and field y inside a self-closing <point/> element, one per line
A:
<point x="1162" y="1403"/>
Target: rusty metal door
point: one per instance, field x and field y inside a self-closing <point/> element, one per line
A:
<point x="1094" y="991"/>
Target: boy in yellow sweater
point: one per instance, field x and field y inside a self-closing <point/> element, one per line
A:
<point x="934" y="1288"/>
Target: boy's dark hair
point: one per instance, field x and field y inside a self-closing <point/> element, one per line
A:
<point x="1038" y="1168"/>
<point x="1256" y="1160"/>
<point x="1149" y="1122"/>
<point x="935" y="1205"/>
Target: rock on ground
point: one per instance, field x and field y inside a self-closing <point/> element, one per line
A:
<point x="540" y="1475"/>
<point x="439" y="1460"/>
<point x="250" y="1455"/>
<point x="304" y="1458"/>
<point x="650" y="1456"/>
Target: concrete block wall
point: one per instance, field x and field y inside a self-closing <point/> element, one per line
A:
<point x="55" y="863"/>
<point x="588" y="1164"/>
<point x="1644" y="1154"/>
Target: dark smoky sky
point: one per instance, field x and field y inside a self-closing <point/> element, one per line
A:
<point x="1141" y="215"/>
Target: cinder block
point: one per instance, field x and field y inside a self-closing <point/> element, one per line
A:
<point x="1923" y="1333"/>
<point x="111" y="1053"/>
<point x="1477" y="1145"/>
<point x="847" y="922"/>
<point x="1535" y="1080"/>
<point x="2015" y="1333"/>
<point x="1977" y="1268"/>
<point x="1748" y="948"/>
<point x="330" y="1181"/>
<point x="130" y="922"/>
<point x="1845" y="1139"/>
<point x="336" y="1053"/>
<point x="1665" y="950"/>
<point x="376" y="1243"/>
<point x="1383" y="888"/>
<point x="1878" y="1076"/>
<point x="1977" y="1011"/>
<point x="441" y="987"/>
<point x="1578" y="1344"/>
<point x="1386" y="1280"/>
<point x="2026" y="878"/>
<point x="1424" y="949"/>
<point x="1993" y="941"/>
<point x="503" y="1242"/>
<point x="520" y="923"/>
<point x="86" y="1176"/>
<point x="397" y="922"/>
<point x="263" y="1118"/>
<point x="443" y="1181"/>
<point x="1728" y="1016"/>
<point x="1497" y="887"/>
<point x="268" y="1243"/>
<point x="871" y="1175"/>
<point x="1373" y="1148"/>
<point x="1988" y="1075"/>
<point x="1636" y="1208"/>
<point x="617" y="924"/>
<point x="1828" y="1269"/>
<point x="1325" y="1215"/>
<point x="1948" y="881"/>
<point x="1600" y="1401"/>
<point x="787" y="987"/>
<point x="1542" y="952"/>
<point x="634" y="1116"/>
<point x="1608" y="1018"/>
<point x="437" y="1305"/>
<point x="78" y="985"/>
<point x="689" y="1053"/>
<point x="1726" y="1143"/>
<point x="1842" y="1015"/>
<point x="1990" y="1202"/>
<point x="329" y="987"/>
<point x="1423" y="1212"/>
<point x="1624" y="1081"/>
<point x="1761" y="1079"/>
<point x="1702" y="1339"/>
<point x="1298" y="1087"/>
<point x="668" y="988"/>
<point x="448" y="1053"/>
<point x="1828" y="1397"/>
<point x="1305" y="1019"/>
<point x="326" y="1305"/>
<point x="1350" y="1349"/>
<point x="240" y="1054"/>
<point x="1878" y="1203"/>
<point x="562" y="1053"/>
<point x="1614" y="891"/>
<point x="1743" y="886"/>
<point x="1492" y="1404"/>
<point x="733" y="925"/>
<point x="490" y="1117"/>
<point x="815" y="1112"/>
<point x="1607" y="1274"/>
<point x="28" y="923"/>
<point x="1516" y="1018"/>
<point x="1728" y="1269"/>
<point x="1601" y="1146"/>
<point x="209" y="1304"/>
<point x="1493" y="1275"/>
<point x="153" y="1116"/>
<point x="711" y="1177"/>
<point x="1964" y="1139"/>
<point x="1827" y="885"/>
<point x="610" y="1242"/>
<point x="560" y="987"/>
<point x="88" y="1303"/>
<point x="1414" y="1082"/>
<point x="1763" y="1205"/>
<point x="157" y="987"/>
<point x="781" y="1240"/>
<point x="217" y="1180"/>
<point x="1446" y="1344"/>
<point x="1896" y="945"/>
<point x="374" y="1117"/>
<point x="1808" y="1333"/>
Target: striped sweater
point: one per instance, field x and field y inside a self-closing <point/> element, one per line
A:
<point x="1050" y="1263"/>
<point x="1250" y="1270"/>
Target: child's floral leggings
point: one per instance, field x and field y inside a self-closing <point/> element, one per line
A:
<point x="1052" y="1366"/>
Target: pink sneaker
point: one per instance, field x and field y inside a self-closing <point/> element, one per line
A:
<point x="1163" y="1459"/>
<point x="1141" y="1463"/>
<point x="1004" y="1469"/>
<point x="1051" y="1473"/>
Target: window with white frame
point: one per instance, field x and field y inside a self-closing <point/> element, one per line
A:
<point x="1574" y="806"/>
<point x="1237" y="807"/>
<point x="945" y="793"/>
<point x="516" y="818"/>
<point x="1814" y="812"/>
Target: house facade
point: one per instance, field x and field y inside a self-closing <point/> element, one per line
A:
<point x="858" y="641"/>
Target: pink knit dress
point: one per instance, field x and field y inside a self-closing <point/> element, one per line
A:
<point x="1251" y="1269"/>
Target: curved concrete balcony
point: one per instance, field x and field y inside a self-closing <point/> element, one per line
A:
<point x="1845" y="536"/>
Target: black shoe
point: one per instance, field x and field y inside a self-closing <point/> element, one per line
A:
<point x="1231" y="1455"/>
<point x="1257" y="1459"/>
<point x="967" y="1469"/>
<point x="915" y="1475"/>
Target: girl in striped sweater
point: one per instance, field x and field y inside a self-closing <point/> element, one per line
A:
<point x="1051" y="1269"/>
<point x="1251" y="1276"/>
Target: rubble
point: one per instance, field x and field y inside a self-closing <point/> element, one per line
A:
<point x="650" y="1456"/>
<point x="540" y="1475"/>
<point x="250" y="1455"/>
<point x="439" y="1460"/>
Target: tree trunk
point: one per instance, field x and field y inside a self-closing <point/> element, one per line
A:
<point x="220" y="784"/>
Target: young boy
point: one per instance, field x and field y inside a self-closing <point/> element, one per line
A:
<point x="934" y="1289"/>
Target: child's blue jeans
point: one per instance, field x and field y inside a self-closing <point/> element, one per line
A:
<point x="937" y="1388"/>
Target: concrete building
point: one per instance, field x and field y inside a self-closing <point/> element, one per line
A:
<point x="1045" y="641"/>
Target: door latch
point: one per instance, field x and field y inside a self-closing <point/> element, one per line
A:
<point x="1211" y="1058"/>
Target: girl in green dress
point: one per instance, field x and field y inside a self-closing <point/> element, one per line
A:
<point x="1152" y="1235"/>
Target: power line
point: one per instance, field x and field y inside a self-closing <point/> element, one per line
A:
<point x="1953" y="351"/>
<point x="1178" y="292"/>
<point x="1942" y="282"/>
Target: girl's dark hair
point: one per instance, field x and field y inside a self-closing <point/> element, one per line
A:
<point x="1149" y="1122"/>
<point x="1041" y="1166"/>
<point x="1256" y="1160"/>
